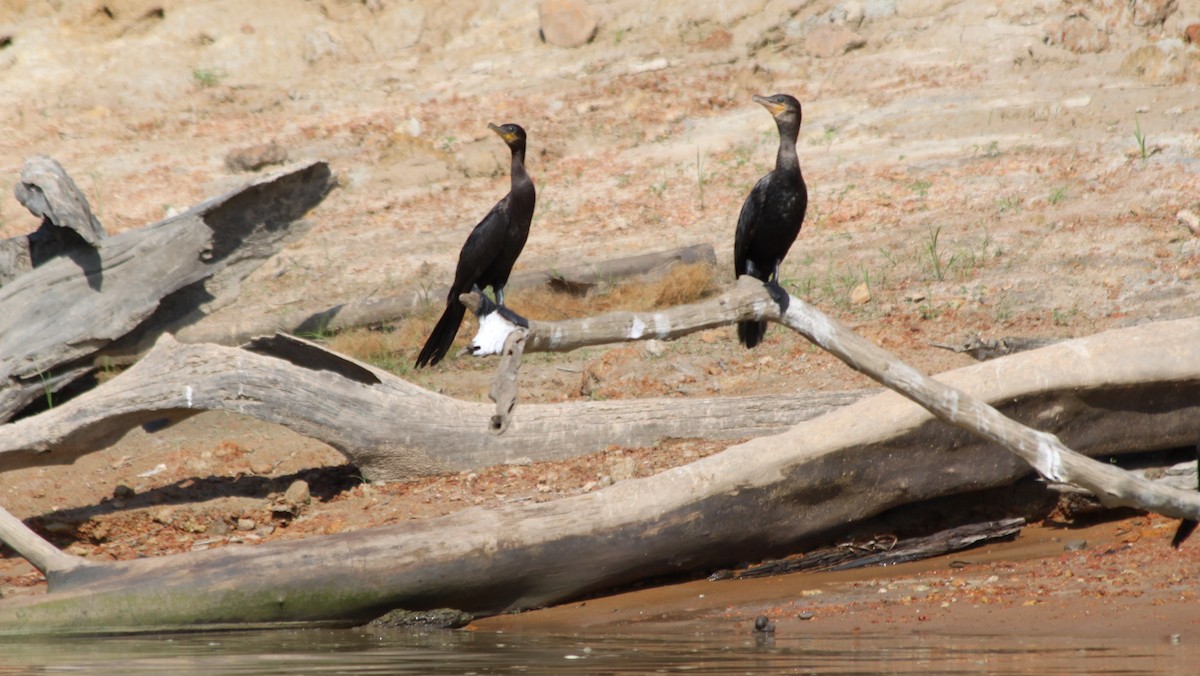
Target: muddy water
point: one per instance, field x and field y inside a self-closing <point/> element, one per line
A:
<point x="466" y="652"/>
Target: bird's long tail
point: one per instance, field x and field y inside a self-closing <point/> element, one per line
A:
<point x="751" y="333"/>
<point x="442" y="337"/>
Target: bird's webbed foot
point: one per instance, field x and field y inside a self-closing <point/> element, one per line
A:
<point x="781" y="297"/>
<point x="512" y="316"/>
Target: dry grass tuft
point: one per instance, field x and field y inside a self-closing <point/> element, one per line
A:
<point x="395" y="347"/>
<point x="681" y="284"/>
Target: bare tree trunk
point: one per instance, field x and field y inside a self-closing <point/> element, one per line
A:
<point x="1110" y="392"/>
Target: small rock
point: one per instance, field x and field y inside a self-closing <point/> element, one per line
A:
<point x="567" y="23"/>
<point x="1192" y="34"/>
<point x="318" y="45"/>
<point x="123" y="492"/>
<point x="256" y="157"/>
<point x="1151" y="12"/>
<point x="854" y="13"/>
<point x="1155" y="63"/>
<point x="861" y="294"/>
<point x="622" y="468"/>
<point x="649" y="66"/>
<point x="1190" y="220"/>
<point x="829" y="41"/>
<point x="297" y="494"/>
<point x="654" y="348"/>
<point x="163" y="516"/>
<point x="1077" y="102"/>
<point x="1079" y="35"/>
<point x="244" y="524"/>
<point x="156" y="470"/>
<point x="878" y="9"/>
<point x="806" y="615"/>
<point x="413" y="127"/>
<point x="763" y="624"/>
<point x="1075" y="546"/>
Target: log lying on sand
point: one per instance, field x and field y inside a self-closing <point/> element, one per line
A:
<point x="60" y="316"/>
<point x="387" y="427"/>
<point x="884" y="550"/>
<point x="1117" y="391"/>
<point x="571" y="279"/>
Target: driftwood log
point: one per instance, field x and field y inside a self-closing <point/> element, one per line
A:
<point x="1117" y="391"/>
<point x="387" y="427"/>
<point x="123" y="291"/>
<point x="884" y="550"/>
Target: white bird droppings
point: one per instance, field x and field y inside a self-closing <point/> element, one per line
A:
<point x="1049" y="461"/>
<point x="637" y="329"/>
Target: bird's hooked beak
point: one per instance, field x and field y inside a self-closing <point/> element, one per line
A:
<point x="508" y="137"/>
<point x="774" y="108"/>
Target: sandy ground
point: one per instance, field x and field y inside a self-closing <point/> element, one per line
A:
<point x="967" y="170"/>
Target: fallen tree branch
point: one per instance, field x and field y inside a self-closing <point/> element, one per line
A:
<point x="886" y="551"/>
<point x="375" y="311"/>
<point x="1043" y="451"/>
<point x="386" y="426"/>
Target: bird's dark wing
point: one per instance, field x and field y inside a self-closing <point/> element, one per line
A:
<point x="481" y="248"/>
<point x="483" y="245"/>
<point x="747" y="227"/>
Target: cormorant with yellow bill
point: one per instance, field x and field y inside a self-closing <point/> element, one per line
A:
<point x="772" y="214"/>
<point x="491" y="249"/>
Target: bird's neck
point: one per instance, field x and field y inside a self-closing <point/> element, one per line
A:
<point x="520" y="177"/>
<point x="786" y="159"/>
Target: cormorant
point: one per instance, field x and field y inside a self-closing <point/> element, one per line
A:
<point x="772" y="214"/>
<point x="488" y="255"/>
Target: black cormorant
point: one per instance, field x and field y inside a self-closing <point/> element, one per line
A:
<point x="772" y="214"/>
<point x="488" y="255"/>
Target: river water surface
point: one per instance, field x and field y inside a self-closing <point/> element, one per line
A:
<point x="475" y="652"/>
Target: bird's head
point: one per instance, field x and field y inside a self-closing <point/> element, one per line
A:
<point x="783" y="107"/>
<point x="512" y="134"/>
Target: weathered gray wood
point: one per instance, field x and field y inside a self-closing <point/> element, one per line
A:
<point x="141" y="282"/>
<point x="41" y="554"/>
<point x="50" y="194"/>
<point x="573" y="278"/>
<point x="388" y="427"/>
<point x="884" y="550"/>
<point x="504" y="387"/>
<point x="1040" y="448"/>
<point x="68" y="225"/>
